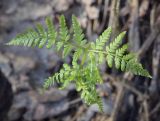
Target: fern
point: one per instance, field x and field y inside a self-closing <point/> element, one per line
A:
<point x="51" y="33"/>
<point x="90" y="55"/>
<point x="78" y="38"/>
<point x="101" y="41"/>
<point x="111" y="49"/>
<point x="78" y="33"/>
<point x="64" y="37"/>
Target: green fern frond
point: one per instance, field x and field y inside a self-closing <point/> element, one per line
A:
<point x="39" y="37"/>
<point x="78" y="52"/>
<point x="24" y="38"/>
<point x="67" y="49"/>
<point x="42" y="34"/>
<point x="78" y="35"/>
<point x="78" y="38"/>
<point x="52" y="33"/>
<point x="65" y="76"/>
<point x="112" y="47"/>
<point x="64" y="37"/>
<point x="50" y="81"/>
<point x="90" y="55"/>
<point x="63" y="33"/>
<point x="100" y="104"/>
<point x="102" y="40"/>
<point x="119" y="54"/>
<point x="136" y="68"/>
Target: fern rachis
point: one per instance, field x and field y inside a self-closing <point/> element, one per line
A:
<point x="86" y="74"/>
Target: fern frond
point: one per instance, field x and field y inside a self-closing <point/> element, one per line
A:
<point x="22" y="39"/>
<point x="119" y="54"/>
<point x="67" y="49"/>
<point x="136" y="68"/>
<point x="42" y="34"/>
<point x="102" y="40"/>
<point x="78" y="38"/>
<point x="115" y="44"/>
<point x="78" y="52"/>
<point x="51" y="33"/>
<point x="100" y="104"/>
<point x="125" y="59"/>
<point x="86" y="75"/>
<point x="39" y="37"/>
<point x="90" y="96"/>
<point x="125" y="62"/>
<point x="65" y="76"/>
<point x="64" y="37"/>
<point x="111" y="48"/>
<point x="32" y="36"/>
<point x="78" y="35"/>
<point x="63" y="33"/>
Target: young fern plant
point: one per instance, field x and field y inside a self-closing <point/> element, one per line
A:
<point x="87" y="56"/>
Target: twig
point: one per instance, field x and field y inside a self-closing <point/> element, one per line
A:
<point x="155" y="109"/>
<point x="117" y="104"/>
<point x="117" y="83"/>
<point x="104" y="16"/>
<point x="134" y="39"/>
<point x="146" y="114"/>
<point x="120" y="95"/>
<point x="134" y="90"/>
<point x="75" y="101"/>
<point x="114" y="17"/>
<point x="148" y="42"/>
<point x="80" y="111"/>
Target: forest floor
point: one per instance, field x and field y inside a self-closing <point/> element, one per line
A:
<point x="125" y="97"/>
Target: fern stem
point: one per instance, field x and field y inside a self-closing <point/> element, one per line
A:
<point x="75" y="45"/>
<point x="98" y="51"/>
<point x="83" y="59"/>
